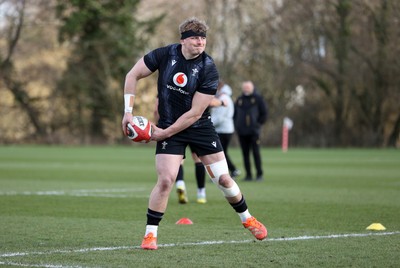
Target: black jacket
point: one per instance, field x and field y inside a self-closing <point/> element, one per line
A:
<point x="250" y="113"/>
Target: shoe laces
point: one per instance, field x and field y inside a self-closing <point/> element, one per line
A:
<point x="149" y="237"/>
<point x="252" y="222"/>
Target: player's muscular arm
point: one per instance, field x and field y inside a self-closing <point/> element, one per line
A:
<point x="138" y="71"/>
<point x="199" y="104"/>
<point x="216" y="102"/>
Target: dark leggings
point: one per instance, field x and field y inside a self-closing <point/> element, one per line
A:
<point x="247" y="143"/>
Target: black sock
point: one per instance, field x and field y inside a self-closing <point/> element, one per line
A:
<point x="240" y="206"/>
<point x="179" y="177"/>
<point x="200" y="175"/>
<point x="154" y="217"/>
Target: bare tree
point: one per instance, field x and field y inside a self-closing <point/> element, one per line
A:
<point x="342" y="54"/>
<point x="15" y="16"/>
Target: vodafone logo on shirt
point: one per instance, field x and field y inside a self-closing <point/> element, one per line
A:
<point x="180" y="79"/>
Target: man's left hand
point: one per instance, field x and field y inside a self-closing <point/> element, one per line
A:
<point x="158" y="134"/>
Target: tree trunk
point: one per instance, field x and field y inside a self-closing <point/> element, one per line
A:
<point x="17" y="89"/>
<point x="341" y="47"/>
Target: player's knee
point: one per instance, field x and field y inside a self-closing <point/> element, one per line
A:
<point x="216" y="170"/>
<point x="225" y="180"/>
<point x="165" y="183"/>
<point x="219" y="174"/>
<point x="231" y="191"/>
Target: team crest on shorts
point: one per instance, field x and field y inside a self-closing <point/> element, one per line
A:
<point x="164" y="144"/>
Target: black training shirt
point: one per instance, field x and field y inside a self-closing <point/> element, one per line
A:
<point x="178" y="80"/>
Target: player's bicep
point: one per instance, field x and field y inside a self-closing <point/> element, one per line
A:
<point x="139" y="70"/>
<point x="200" y="102"/>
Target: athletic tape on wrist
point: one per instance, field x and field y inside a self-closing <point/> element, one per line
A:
<point x="128" y="100"/>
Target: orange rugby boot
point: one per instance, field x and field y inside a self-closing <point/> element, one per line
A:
<point x="256" y="228"/>
<point x="149" y="242"/>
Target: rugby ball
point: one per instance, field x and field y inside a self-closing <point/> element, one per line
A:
<point x="141" y="129"/>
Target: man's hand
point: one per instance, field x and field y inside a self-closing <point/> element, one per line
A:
<point x="125" y="120"/>
<point x="158" y="134"/>
<point x="216" y="102"/>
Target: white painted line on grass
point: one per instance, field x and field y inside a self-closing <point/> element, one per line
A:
<point x="37" y="265"/>
<point x="202" y="243"/>
<point x="65" y="251"/>
<point x="121" y="193"/>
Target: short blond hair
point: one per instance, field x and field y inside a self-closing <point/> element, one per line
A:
<point x="193" y="24"/>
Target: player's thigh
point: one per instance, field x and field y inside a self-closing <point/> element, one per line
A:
<point x="196" y="159"/>
<point x="212" y="158"/>
<point x="167" y="165"/>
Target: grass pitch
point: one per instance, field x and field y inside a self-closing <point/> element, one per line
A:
<point x="86" y="207"/>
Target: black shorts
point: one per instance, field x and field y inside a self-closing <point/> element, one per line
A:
<point x="202" y="141"/>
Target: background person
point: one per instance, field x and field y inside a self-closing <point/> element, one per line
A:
<point x="251" y="113"/>
<point x="200" y="175"/>
<point x="222" y="118"/>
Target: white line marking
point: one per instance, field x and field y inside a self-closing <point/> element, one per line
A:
<point x="83" y="250"/>
<point x="37" y="265"/>
<point x="65" y="251"/>
<point x="81" y="193"/>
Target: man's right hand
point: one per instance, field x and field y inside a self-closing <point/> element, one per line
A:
<point x="125" y="120"/>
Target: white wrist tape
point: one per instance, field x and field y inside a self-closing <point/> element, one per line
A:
<point x="128" y="100"/>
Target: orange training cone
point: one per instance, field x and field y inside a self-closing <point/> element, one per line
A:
<point x="184" y="221"/>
